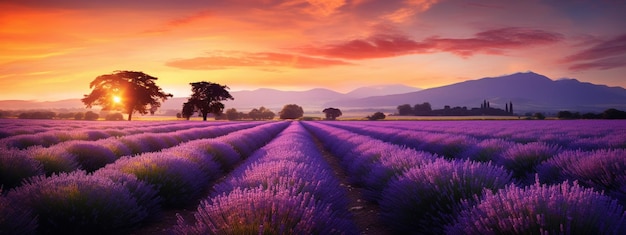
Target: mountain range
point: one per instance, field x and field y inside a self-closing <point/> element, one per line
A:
<point x="529" y="92"/>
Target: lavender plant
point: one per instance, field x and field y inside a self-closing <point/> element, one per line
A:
<point x="16" y="220"/>
<point x="521" y="159"/>
<point x="488" y="150"/>
<point x="145" y="194"/>
<point x="54" y="160"/>
<point x="566" y="208"/>
<point x="76" y="203"/>
<point x="16" y="166"/>
<point x="259" y="211"/>
<point x="178" y="180"/>
<point x="603" y="170"/>
<point x="89" y="155"/>
<point x="426" y="198"/>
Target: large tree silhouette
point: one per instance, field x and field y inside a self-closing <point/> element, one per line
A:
<point x="126" y="91"/>
<point x="207" y="97"/>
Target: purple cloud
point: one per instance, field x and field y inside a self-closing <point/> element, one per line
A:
<point x="603" y="55"/>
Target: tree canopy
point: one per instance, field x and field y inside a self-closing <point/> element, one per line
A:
<point x="332" y="113"/>
<point x="376" y="116"/>
<point x="291" y="111"/>
<point x="126" y="91"/>
<point x="206" y="98"/>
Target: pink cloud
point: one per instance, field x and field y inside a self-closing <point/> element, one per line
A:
<point x="229" y="59"/>
<point x="495" y="41"/>
<point x="603" y="55"/>
<point x="602" y="64"/>
<point x="377" y="46"/>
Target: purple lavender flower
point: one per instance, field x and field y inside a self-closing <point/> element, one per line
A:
<point x="426" y="198"/>
<point x="16" y="166"/>
<point x="522" y="159"/>
<point x="178" y="180"/>
<point x="15" y="219"/>
<point x="90" y="156"/>
<point x="604" y="170"/>
<point x="54" y="160"/>
<point x="539" y="209"/>
<point x="252" y="211"/>
<point x="77" y="203"/>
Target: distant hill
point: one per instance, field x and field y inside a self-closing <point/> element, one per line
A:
<point x="380" y="90"/>
<point x="43" y="105"/>
<point x="528" y="92"/>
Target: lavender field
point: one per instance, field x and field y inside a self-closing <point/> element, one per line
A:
<point x="290" y="177"/>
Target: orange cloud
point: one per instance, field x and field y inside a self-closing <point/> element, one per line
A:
<point x="411" y="8"/>
<point x="229" y="59"/>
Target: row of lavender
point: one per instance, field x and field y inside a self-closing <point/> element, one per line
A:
<point x="13" y="127"/>
<point x="420" y="192"/>
<point x="129" y="191"/>
<point x="94" y="132"/>
<point x="564" y="132"/>
<point x="285" y="187"/>
<point x="16" y="165"/>
<point x="569" y="134"/>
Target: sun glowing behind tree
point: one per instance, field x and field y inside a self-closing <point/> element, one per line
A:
<point x="139" y="92"/>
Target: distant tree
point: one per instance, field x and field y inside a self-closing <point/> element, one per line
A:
<point x="422" y="109"/>
<point x="405" y="110"/>
<point x="114" y="117"/>
<point x="179" y="115"/>
<point x="127" y="91"/>
<point x="266" y="114"/>
<point x="232" y="114"/>
<point x="564" y="115"/>
<point x="91" y="116"/>
<point x="255" y="114"/>
<point x="613" y="114"/>
<point x="377" y="116"/>
<point x="207" y="96"/>
<point x="291" y="111"/>
<point x="332" y="113"/>
<point x="261" y="113"/>
<point x="188" y="110"/>
<point x="79" y="116"/>
<point x="591" y="116"/>
<point x="37" y="115"/>
<point x="539" y="116"/>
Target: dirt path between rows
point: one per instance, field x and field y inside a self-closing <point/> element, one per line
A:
<point x="366" y="215"/>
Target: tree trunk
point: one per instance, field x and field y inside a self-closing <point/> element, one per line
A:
<point x="204" y="115"/>
<point x="130" y="115"/>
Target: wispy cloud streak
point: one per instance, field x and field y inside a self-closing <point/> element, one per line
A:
<point x="228" y="59"/>
<point x="603" y="55"/>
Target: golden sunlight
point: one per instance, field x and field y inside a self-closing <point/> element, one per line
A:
<point x="117" y="99"/>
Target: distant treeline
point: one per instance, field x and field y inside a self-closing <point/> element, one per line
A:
<point x="89" y="115"/>
<point x="425" y="109"/>
<point x="607" y="114"/>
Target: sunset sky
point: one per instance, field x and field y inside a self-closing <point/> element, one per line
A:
<point x="51" y="50"/>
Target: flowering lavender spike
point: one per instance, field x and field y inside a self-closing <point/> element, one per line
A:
<point x="564" y="208"/>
